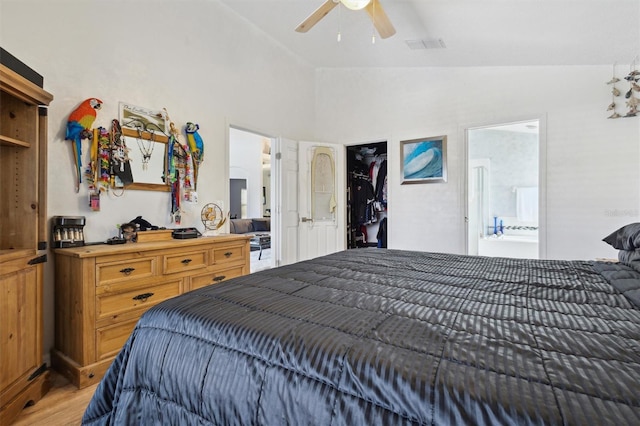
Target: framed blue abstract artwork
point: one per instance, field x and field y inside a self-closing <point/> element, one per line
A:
<point x="424" y="160"/>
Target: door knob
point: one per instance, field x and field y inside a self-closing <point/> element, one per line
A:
<point x="306" y="219"/>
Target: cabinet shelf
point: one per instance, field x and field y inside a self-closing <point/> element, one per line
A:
<point x="7" y="141"/>
<point x="16" y="253"/>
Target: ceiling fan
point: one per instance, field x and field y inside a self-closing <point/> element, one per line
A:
<point x="373" y="7"/>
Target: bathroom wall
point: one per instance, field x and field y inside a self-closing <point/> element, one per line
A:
<point x="514" y="163"/>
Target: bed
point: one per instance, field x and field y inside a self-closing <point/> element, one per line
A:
<point x="387" y="337"/>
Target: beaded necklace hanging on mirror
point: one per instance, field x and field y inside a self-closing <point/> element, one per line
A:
<point x="146" y="148"/>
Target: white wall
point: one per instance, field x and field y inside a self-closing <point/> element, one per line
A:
<point x="195" y="58"/>
<point x="592" y="173"/>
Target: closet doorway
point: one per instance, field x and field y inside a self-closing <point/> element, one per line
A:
<point x="367" y="200"/>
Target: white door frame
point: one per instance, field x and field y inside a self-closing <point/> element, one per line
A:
<point x="284" y="201"/>
<point x="542" y="176"/>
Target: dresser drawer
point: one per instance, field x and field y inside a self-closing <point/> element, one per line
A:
<point x="215" y="277"/>
<point x="173" y="263"/>
<point x="116" y="303"/>
<point x="109" y="340"/>
<point x="110" y="273"/>
<point x="225" y="255"/>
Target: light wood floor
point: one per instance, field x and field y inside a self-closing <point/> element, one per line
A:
<point x="63" y="405"/>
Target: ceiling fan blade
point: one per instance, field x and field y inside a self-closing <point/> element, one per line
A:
<point x="380" y="19"/>
<point x="316" y="16"/>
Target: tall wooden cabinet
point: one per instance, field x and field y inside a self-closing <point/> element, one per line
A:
<point x="23" y="236"/>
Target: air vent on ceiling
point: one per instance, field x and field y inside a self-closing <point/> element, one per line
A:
<point x="434" y="43"/>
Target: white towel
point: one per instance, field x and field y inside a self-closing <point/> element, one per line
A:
<point x="527" y="204"/>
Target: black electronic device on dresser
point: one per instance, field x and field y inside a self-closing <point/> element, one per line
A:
<point x="67" y="231"/>
<point x="185" y="233"/>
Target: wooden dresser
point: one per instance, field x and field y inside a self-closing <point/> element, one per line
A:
<point x="23" y="236"/>
<point x="101" y="291"/>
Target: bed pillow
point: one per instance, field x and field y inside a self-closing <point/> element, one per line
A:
<point x="625" y="238"/>
<point x="624" y="277"/>
<point x="261" y="225"/>
<point x="241" y="226"/>
<point x="629" y="256"/>
<point x="630" y="289"/>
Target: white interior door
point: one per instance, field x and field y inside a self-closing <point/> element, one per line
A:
<point x="321" y="199"/>
<point x="284" y="178"/>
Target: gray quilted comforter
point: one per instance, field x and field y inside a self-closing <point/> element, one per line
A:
<point x="386" y="337"/>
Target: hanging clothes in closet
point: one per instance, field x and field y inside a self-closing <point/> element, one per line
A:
<point x="382" y="233"/>
<point x="363" y="196"/>
<point x="378" y="174"/>
<point x="367" y="194"/>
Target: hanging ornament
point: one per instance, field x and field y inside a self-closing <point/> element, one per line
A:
<point x="632" y="101"/>
<point x="146" y="148"/>
<point x="120" y="171"/>
<point x="614" y="92"/>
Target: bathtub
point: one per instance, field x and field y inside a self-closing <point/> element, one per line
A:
<point x="519" y="246"/>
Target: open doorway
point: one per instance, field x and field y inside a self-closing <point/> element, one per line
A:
<point x="250" y="192"/>
<point x="503" y="190"/>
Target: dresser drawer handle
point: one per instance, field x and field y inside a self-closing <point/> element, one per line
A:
<point x="228" y="254"/>
<point x="127" y="271"/>
<point x="186" y="261"/>
<point x="143" y="296"/>
<point x="219" y="278"/>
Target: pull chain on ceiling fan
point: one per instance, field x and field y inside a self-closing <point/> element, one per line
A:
<point x="373" y="20"/>
<point x="377" y="14"/>
<point x="339" y="25"/>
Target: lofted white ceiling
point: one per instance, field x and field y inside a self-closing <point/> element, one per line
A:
<point x="475" y="32"/>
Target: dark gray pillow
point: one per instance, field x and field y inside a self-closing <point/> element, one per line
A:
<point x="628" y="256"/>
<point x="625" y="238"/>
<point x="624" y="277"/>
<point x="262" y="225"/>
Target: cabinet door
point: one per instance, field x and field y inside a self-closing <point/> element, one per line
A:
<point x="19" y="330"/>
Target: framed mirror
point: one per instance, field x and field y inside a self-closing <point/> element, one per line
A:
<point x="147" y="158"/>
<point x="145" y="135"/>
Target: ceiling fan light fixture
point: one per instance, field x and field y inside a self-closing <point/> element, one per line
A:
<point x="355" y="4"/>
<point x="373" y="8"/>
